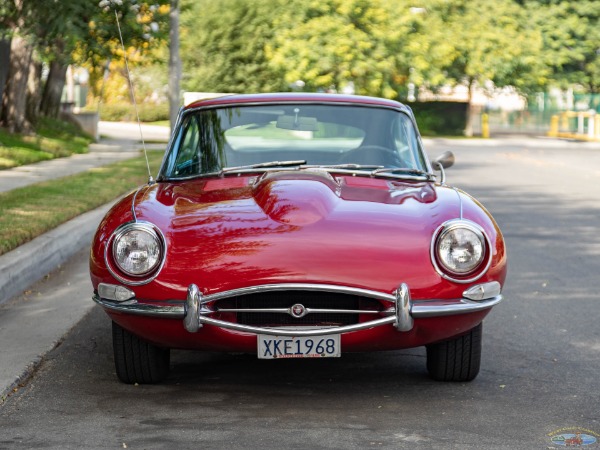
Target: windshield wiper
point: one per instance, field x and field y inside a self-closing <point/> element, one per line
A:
<point x="401" y="171"/>
<point x="264" y="165"/>
<point x="350" y="166"/>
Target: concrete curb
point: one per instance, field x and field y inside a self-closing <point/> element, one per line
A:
<point x="30" y="262"/>
<point x="35" y="323"/>
<point x="23" y="377"/>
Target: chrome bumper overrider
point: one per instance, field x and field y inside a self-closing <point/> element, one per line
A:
<point x="401" y="313"/>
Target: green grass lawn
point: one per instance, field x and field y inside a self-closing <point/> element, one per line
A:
<point x="52" y="139"/>
<point x="30" y="211"/>
<point x="161" y="123"/>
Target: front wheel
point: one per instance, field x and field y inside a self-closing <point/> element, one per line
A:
<point x="456" y="359"/>
<point x="138" y="361"/>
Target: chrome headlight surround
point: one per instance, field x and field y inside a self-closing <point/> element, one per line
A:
<point x="474" y="271"/>
<point x="127" y="275"/>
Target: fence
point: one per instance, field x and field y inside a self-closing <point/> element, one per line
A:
<point x="558" y="114"/>
<point x="583" y="125"/>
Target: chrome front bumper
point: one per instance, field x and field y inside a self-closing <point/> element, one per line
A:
<point x="401" y="313"/>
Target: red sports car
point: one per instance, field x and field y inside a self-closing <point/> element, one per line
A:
<point x="297" y="226"/>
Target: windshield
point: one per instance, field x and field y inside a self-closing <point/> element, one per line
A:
<point x="211" y="140"/>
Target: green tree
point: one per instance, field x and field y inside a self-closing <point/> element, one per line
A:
<point x="16" y="25"/>
<point x="60" y="33"/>
<point x="39" y="30"/>
<point x="223" y="45"/>
<point x="471" y="42"/>
<point x="144" y="27"/>
<point x="335" y="44"/>
<point x="5" y="35"/>
<point x="571" y="36"/>
<point x="56" y="40"/>
<point x="381" y="47"/>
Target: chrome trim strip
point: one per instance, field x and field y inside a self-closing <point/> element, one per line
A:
<point x="420" y="308"/>
<point x="353" y="172"/>
<point x="299" y="287"/>
<point x="133" y="202"/>
<point x="439" y="308"/>
<point x="460" y="203"/>
<point x="287" y="311"/>
<point x="307" y="332"/>
<point x="401" y="315"/>
<point x="143" y="309"/>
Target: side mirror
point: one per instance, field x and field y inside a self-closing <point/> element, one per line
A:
<point x="442" y="162"/>
<point x="445" y="160"/>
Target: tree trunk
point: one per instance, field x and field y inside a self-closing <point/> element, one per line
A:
<point x="34" y="90"/>
<point x="53" y="89"/>
<point x="4" y="62"/>
<point x="174" y="63"/>
<point x="14" y="98"/>
<point x="470" y="115"/>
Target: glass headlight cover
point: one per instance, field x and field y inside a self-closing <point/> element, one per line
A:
<point x="137" y="250"/>
<point x="460" y="249"/>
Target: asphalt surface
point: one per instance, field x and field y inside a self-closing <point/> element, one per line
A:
<point x="29" y="330"/>
<point x="540" y="364"/>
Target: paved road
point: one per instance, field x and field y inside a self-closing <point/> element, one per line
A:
<point x="539" y="372"/>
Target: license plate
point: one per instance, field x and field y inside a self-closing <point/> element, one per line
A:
<point x="272" y="347"/>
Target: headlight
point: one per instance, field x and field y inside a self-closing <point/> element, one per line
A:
<point x="459" y="250"/>
<point x="137" y="250"/>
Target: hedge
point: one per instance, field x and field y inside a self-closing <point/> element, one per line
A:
<point x="440" y="118"/>
<point x="125" y="112"/>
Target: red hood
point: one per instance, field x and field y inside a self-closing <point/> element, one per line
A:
<point x="307" y="226"/>
<point x="298" y="226"/>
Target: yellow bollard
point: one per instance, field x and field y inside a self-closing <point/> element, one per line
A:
<point x="485" y="126"/>
<point x="565" y="121"/>
<point x="553" y="132"/>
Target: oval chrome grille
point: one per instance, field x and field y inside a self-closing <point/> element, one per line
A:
<point x="282" y="308"/>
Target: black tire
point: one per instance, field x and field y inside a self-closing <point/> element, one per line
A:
<point x="138" y="361"/>
<point x="456" y="359"/>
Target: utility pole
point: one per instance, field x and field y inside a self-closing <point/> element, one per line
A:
<point x="174" y="63"/>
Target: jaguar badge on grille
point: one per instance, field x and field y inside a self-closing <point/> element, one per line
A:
<point x="298" y="311"/>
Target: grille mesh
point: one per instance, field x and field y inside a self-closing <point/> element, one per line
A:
<point x="310" y="299"/>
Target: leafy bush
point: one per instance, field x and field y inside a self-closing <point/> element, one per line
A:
<point x="125" y="112"/>
<point x="440" y="118"/>
<point x="154" y="112"/>
<point x="117" y="112"/>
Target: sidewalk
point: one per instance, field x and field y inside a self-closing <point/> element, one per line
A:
<point x="30" y="262"/>
<point x="28" y="331"/>
<point x="101" y="154"/>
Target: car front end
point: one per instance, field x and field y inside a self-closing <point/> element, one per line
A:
<point x="297" y="226"/>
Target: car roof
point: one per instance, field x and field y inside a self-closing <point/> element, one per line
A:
<point x="290" y="97"/>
